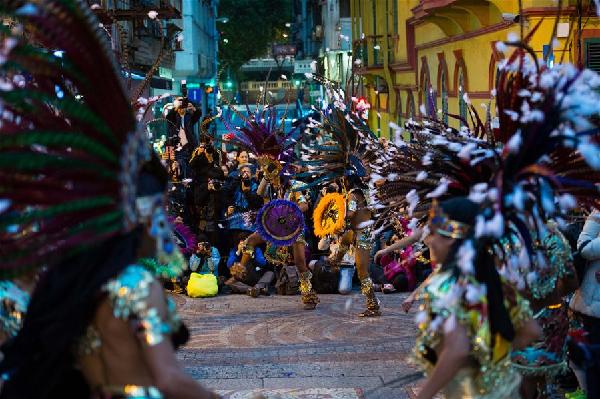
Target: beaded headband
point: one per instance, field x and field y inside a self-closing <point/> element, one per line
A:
<point x="443" y="225"/>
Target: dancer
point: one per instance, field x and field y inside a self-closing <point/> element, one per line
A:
<point x="76" y="165"/>
<point x="471" y="317"/>
<point x="350" y="214"/>
<point x="548" y="165"/>
<point x="280" y="222"/>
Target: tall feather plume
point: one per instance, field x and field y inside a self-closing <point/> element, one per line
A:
<point x="65" y="121"/>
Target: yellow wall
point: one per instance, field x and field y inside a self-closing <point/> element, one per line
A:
<point x="464" y="26"/>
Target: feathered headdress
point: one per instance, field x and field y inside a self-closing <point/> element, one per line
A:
<point x="347" y="147"/>
<point x="439" y="163"/>
<point x="264" y="135"/>
<point x="70" y="147"/>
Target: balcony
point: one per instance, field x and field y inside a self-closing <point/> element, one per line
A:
<point x="122" y="10"/>
<point x="376" y="43"/>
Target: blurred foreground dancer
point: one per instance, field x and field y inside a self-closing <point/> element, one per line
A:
<point x="81" y="171"/>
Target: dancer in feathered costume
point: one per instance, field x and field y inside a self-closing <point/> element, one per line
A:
<point x="344" y="157"/>
<point x="530" y="187"/>
<point x="553" y="155"/>
<point x="280" y="222"/>
<point x="76" y="166"/>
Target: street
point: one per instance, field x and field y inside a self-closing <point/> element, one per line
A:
<point x="242" y="346"/>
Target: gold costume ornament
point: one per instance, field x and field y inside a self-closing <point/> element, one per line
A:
<point x="440" y="223"/>
<point x="330" y="215"/>
<point x="271" y="168"/>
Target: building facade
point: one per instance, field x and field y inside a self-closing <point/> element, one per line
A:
<point x="142" y="44"/>
<point x="196" y="64"/>
<point x="409" y="48"/>
<point x="336" y="50"/>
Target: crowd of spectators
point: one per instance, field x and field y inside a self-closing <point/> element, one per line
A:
<point x="214" y="193"/>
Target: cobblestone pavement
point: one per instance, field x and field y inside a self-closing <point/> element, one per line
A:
<point x="241" y="345"/>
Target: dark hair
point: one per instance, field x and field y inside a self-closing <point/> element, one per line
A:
<point x="40" y="360"/>
<point x="462" y="209"/>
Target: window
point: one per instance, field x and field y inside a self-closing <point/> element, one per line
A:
<point x="410" y="109"/>
<point x="462" y="104"/>
<point x="395" y="16"/>
<point x="444" y="93"/>
<point x="592" y="54"/>
<point x="344" y="8"/>
<point x="398" y="109"/>
<point x="425" y="89"/>
<point x="374" y="18"/>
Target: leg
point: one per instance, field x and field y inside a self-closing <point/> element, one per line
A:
<point x="364" y="243"/>
<point x="237" y="286"/>
<point x="309" y="295"/>
<point x="263" y="284"/>
<point x="366" y="284"/>
<point x="248" y="252"/>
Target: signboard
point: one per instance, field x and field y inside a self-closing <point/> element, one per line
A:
<point x="303" y="66"/>
<point x="284" y="50"/>
<point x="195" y="95"/>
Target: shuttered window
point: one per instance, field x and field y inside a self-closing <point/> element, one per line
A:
<point x="592" y="54"/>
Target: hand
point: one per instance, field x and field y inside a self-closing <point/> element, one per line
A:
<point x="245" y="187"/>
<point x="407" y="304"/>
<point x="230" y="210"/>
<point x="238" y="271"/>
<point x="379" y="254"/>
<point x="598" y="276"/>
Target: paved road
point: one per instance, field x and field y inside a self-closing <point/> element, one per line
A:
<point x="241" y="345"/>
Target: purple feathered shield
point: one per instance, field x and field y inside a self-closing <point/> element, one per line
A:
<point x="280" y="222"/>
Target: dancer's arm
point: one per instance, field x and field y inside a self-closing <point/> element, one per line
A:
<point x="262" y="187"/>
<point x="167" y="374"/>
<point x="403" y="243"/>
<point x="454" y="355"/>
<point x="408" y="302"/>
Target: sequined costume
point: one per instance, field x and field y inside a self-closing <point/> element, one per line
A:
<point x="489" y="374"/>
<point x="263" y="133"/>
<point x="78" y="167"/>
<point x="548" y="356"/>
<point x="13" y="306"/>
<point x="347" y="158"/>
<point x="128" y="295"/>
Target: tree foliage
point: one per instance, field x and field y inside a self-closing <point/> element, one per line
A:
<point x="253" y="25"/>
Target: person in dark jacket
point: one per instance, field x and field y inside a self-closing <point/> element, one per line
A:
<point x="205" y="199"/>
<point x="240" y="194"/>
<point x="182" y="117"/>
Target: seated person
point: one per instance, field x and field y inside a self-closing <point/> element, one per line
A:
<point x="206" y="258"/>
<point x="346" y="266"/>
<point x="336" y="269"/>
<point x="239" y="194"/>
<point x="252" y="279"/>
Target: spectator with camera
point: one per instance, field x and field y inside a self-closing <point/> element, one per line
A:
<point x="206" y="258"/>
<point x="182" y="116"/>
<point x="240" y="195"/>
<point x="206" y="198"/>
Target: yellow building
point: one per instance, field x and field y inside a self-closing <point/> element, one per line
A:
<point x="410" y="47"/>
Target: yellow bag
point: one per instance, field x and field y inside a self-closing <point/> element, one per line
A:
<point x="202" y="285"/>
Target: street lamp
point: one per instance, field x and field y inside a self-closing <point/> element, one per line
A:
<point x="223" y="19"/>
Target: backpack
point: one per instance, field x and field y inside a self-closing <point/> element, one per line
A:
<point x="288" y="281"/>
<point x="325" y="278"/>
